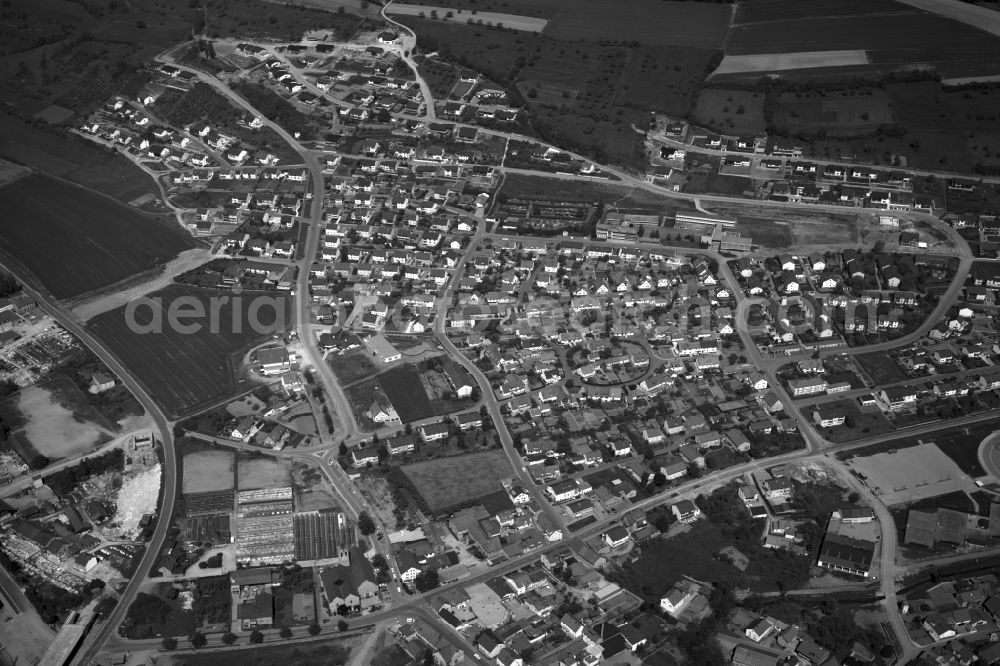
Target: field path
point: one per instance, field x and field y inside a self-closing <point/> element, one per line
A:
<point x="182" y="263"/>
<point x="977" y="16"/>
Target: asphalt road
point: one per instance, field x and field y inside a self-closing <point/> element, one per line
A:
<point x="169" y="479"/>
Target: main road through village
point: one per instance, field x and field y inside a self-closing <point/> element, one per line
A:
<point x="105" y="639"/>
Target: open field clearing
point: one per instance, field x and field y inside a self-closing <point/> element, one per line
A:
<point x="406" y="393"/>
<point x="208" y="470"/>
<point x="776" y="62"/>
<point x="450" y="482"/>
<point x="808" y="231"/>
<point x="513" y="21"/>
<point x="911" y="474"/>
<point x="185" y="371"/>
<point x="262" y="473"/>
<point x="74" y="241"/>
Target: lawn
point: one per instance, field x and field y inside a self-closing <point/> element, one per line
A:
<point x="352" y="366"/>
<point x="321" y="653"/>
<point x="448" y="483"/>
<point x="78" y="241"/>
<point x="406" y="393"/>
<point x="858" y="424"/>
<point x="186" y="371"/>
<point x="881" y="368"/>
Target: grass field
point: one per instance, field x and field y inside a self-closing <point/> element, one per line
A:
<point x="352" y="366"/>
<point x="737" y="111"/>
<point x="74" y="241"/>
<point x="840" y="111"/>
<point x="448" y="483"/>
<point x="208" y="470"/>
<point x="262" y="472"/>
<point x="186" y="371"/>
<point x="321" y="653"/>
<point x="406" y="393"/>
<point x="880" y="368"/>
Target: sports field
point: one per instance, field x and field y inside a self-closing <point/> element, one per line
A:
<point x="450" y="482"/>
<point x="911" y="474"/>
<point x="185" y="371"/>
<point x="74" y="241"/>
<point x="262" y="473"/>
<point x="208" y="470"/>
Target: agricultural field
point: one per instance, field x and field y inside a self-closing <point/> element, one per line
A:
<point x="652" y="22"/>
<point x="187" y="371"/>
<point x="761" y="63"/>
<point x="208" y="470"/>
<point x="893" y="35"/>
<point x="448" y="483"/>
<point x="732" y="111"/>
<point x="115" y="244"/>
<point x="262" y="472"/>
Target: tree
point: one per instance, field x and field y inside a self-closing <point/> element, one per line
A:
<point x="427" y="580"/>
<point x="314" y="629"/>
<point x="169" y="643"/>
<point x="198" y="640"/>
<point x="342" y="625"/>
<point x="229" y="638"/>
<point x="365" y="523"/>
<point x="256" y="637"/>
